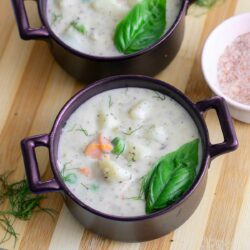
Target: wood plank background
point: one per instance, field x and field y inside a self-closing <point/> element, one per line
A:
<point x="33" y="88"/>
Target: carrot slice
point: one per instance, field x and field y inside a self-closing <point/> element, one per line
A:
<point x="106" y="148"/>
<point x="93" y="150"/>
<point x="85" y="171"/>
<point x="97" y="150"/>
<point x="105" y="144"/>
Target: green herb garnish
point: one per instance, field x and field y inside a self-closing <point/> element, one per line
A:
<point x="78" y="26"/>
<point x="119" y="146"/>
<point x="71" y="178"/>
<point x="22" y="204"/>
<point x="131" y="131"/>
<point x="86" y="187"/>
<point x="136" y="198"/>
<point x="159" y="96"/>
<point x="170" y="177"/>
<point x="79" y="129"/>
<point x="93" y="187"/>
<point x="6" y="223"/>
<point x="110" y="102"/>
<point x="56" y="18"/>
<point x="143" y="26"/>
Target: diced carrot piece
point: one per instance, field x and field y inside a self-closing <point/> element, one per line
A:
<point x="101" y="139"/>
<point x="93" y="150"/>
<point x="105" y="144"/>
<point x="85" y="171"/>
<point x="106" y="148"/>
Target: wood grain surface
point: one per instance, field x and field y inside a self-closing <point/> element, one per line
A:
<point x="33" y="88"/>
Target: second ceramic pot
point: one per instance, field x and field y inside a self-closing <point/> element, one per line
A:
<point x="139" y="228"/>
<point x="149" y="61"/>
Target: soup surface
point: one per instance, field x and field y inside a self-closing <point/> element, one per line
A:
<point x="143" y="126"/>
<point x="88" y="25"/>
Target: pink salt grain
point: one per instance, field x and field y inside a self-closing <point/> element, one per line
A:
<point x="234" y="70"/>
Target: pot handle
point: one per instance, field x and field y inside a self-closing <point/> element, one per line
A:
<point x="25" y="31"/>
<point x="230" y="140"/>
<point x="28" y="146"/>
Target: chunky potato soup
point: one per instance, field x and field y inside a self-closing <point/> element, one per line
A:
<point x="89" y="25"/>
<point x="114" y="139"/>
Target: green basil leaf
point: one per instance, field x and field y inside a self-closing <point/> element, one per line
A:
<point x="142" y="27"/>
<point x="158" y="182"/>
<point x="147" y="178"/>
<point x="171" y="176"/>
<point x="180" y="181"/>
<point x="187" y="155"/>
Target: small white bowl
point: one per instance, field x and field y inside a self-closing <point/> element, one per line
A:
<point x="218" y="40"/>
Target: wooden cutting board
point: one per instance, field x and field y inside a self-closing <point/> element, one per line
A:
<point x="32" y="90"/>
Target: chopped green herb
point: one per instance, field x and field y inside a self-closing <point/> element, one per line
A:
<point x="71" y="178"/>
<point x="22" y="204"/>
<point x="81" y="129"/>
<point x="131" y="131"/>
<point x="56" y="18"/>
<point x="110" y="102"/>
<point x="160" y="96"/>
<point x="136" y="198"/>
<point x="84" y="186"/>
<point x="78" y="26"/>
<point x="6" y="223"/>
<point x="72" y="129"/>
<point x="93" y="187"/>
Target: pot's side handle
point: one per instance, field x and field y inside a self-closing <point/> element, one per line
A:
<point x="26" y="32"/>
<point x="230" y="140"/>
<point x="28" y="146"/>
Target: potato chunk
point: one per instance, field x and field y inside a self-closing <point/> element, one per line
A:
<point x="140" y="111"/>
<point x="107" y="120"/>
<point x="113" y="172"/>
<point x="136" y="151"/>
<point x="157" y="133"/>
<point x="108" y="6"/>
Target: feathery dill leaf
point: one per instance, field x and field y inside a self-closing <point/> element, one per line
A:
<point x="21" y="204"/>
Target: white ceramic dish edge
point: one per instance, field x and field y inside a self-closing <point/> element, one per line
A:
<point x="222" y="36"/>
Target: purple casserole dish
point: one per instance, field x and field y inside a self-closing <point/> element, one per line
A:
<point x="140" y="228"/>
<point x="149" y="61"/>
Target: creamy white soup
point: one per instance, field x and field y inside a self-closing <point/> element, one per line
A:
<point x="89" y="25"/>
<point x="113" y="140"/>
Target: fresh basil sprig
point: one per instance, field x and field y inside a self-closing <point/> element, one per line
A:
<point x="171" y="177"/>
<point x="143" y="26"/>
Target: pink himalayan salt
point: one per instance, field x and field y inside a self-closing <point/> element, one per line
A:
<point x="234" y="70"/>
